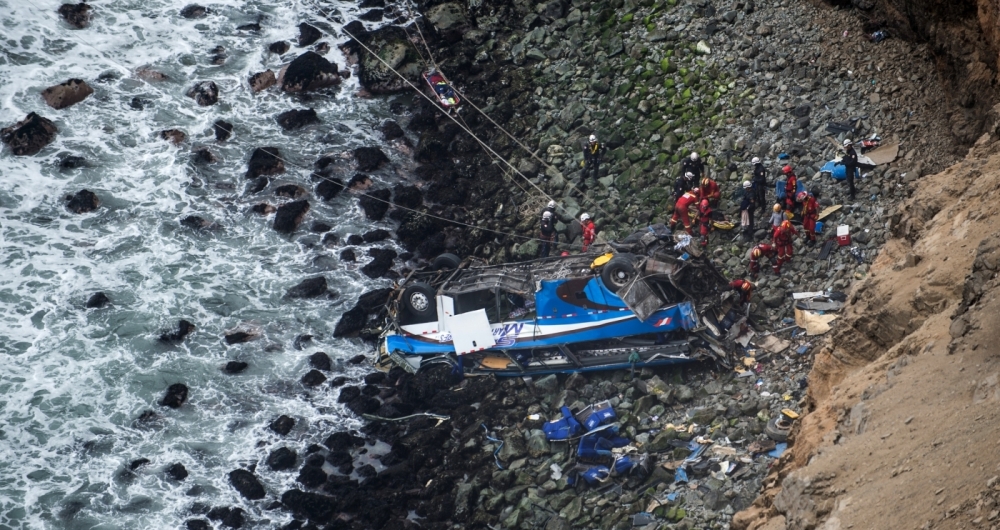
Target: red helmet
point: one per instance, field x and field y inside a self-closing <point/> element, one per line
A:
<point x="747" y="286"/>
<point x="704" y="203"/>
<point x="801" y="196"/>
<point x="787" y="170"/>
<point x="786" y="225"/>
<point x="757" y="253"/>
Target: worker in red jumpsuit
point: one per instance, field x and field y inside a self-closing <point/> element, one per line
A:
<point x="810" y="214"/>
<point x="744" y="288"/>
<point x="783" y="241"/>
<point x="705" y="220"/>
<point x="690" y="198"/>
<point x="760" y="251"/>
<point x="710" y="191"/>
<point x="589" y="230"/>
<point x="791" y="187"/>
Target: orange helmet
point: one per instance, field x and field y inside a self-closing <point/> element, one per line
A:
<point x="747" y="286"/>
<point x="756" y="253"/>
<point x="704" y="182"/>
<point x="787" y="170"/>
<point x="777" y="207"/>
<point x="786" y="225"/>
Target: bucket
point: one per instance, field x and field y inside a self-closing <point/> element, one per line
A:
<point x="819" y="227"/>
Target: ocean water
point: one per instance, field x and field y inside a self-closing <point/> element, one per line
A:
<point x="72" y="381"/>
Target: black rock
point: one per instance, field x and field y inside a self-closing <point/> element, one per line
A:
<point x="308" y="34"/>
<point x="359" y="181"/>
<point x="282" y="425"/>
<point x="313" y="378"/>
<point x="230" y="517"/>
<point x="193" y="11"/>
<point x="339" y="458"/>
<point x="177" y="471"/>
<point x="379" y="234"/>
<point x="263" y="209"/>
<point x="369" y="158"/>
<point x="391" y="130"/>
<point x="375" y="203"/>
<point x="329" y="188"/>
<point x="136" y="464"/>
<point x="247" y="484"/>
<point x="265" y="161"/>
<point x="355" y="239"/>
<point x="350" y="322"/>
<point x="76" y="15"/>
<point x="348" y="393"/>
<point x="316" y="507"/>
<point x="197" y="524"/>
<point x="372" y="15"/>
<point x="311" y="476"/>
<point x="238" y="337"/>
<point x="205" y="93"/>
<point x="801" y="111"/>
<point x="184" y="328"/>
<point x="321" y="361"/>
<point x="339" y="441"/>
<point x="83" y="201"/>
<point x="28" y="136"/>
<point x="320" y="227"/>
<point x="223" y="130"/>
<point x="309" y="71"/>
<point x="176" y="395"/>
<point x="281" y="47"/>
<point x="72" y="162"/>
<point x="367" y="471"/>
<point x="407" y="196"/>
<point x="357" y="359"/>
<point x="338" y="381"/>
<point x="296" y="118"/>
<point x="235" y="367"/>
<point x="281" y="459"/>
<point x="375" y="378"/>
<point x="348" y="255"/>
<point x="97" y="301"/>
<point x="195" y="222"/>
<point x="258" y="185"/>
<point x="253" y="26"/>
<point x="302" y="341"/>
<point x="355" y="29"/>
<point x="138" y="103"/>
<point x="308" y="288"/>
<point x="289" y="216"/>
<point x="371" y="3"/>
<point x="373" y="301"/>
<point x="381" y="264"/>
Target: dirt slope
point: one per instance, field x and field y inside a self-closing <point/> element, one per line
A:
<point x="902" y="430"/>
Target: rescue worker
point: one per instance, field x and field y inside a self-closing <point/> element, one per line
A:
<point x="681" y="207"/>
<point x="592" y="155"/>
<point x="810" y="214"/>
<point x="783" y="241"/>
<point x="759" y="182"/>
<point x="551" y="208"/>
<point x="747" y="207"/>
<point x="762" y="250"/>
<point x="684" y="183"/>
<point x="589" y="230"/>
<point x="791" y="187"/>
<point x="705" y="220"/>
<point x="744" y="288"/>
<point x="548" y="233"/>
<point x="694" y="165"/>
<point x="850" y="163"/>
<point x="710" y="191"/>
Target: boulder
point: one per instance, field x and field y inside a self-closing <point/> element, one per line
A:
<point x="351" y="322"/>
<point x="177" y="471"/>
<point x="392" y="44"/>
<point x="348" y="255"/>
<point x="373" y="301"/>
<point x="235" y="367"/>
<point x="374" y="236"/>
<point x="313" y="378"/>
<point x="203" y="155"/>
<point x="329" y="188"/>
<point x="282" y="425"/>
<point x="247" y="484"/>
<point x="375" y="203"/>
<point x="372" y="15"/>
<point x="66" y="94"/>
<point x="290" y="191"/>
<point x="76" y="15"/>
<point x="308" y="34"/>
<point x="297" y="118"/>
<point x="391" y="130"/>
<point x="239" y="336"/>
<point x="223" y="130"/>
<point x="83" y="201"/>
<point x="309" y="71"/>
<point x="315" y="507"/>
<point x="265" y="161"/>
<point x="407" y="196"/>
<point x="308" y="288"/>
<point x="174" y="136"/>
<point x="262" y="81"/>
<point x="195" y="222"/>
<point x="229" y="517"/>
<point x="30" y="135"/>
<point x="281" y="47"/>
<point x="205" y="93"/>
<point x="175" y="396"/>
<point x="97" y="301"/>
<point x="184" y="328"/>
<point x="289" y="216"/>
<point x="197" y="524"/>
<point x="281" y="459"/>
<point x="381" y="264"/>
<point x="369" y="158"/>
<point x="72" y="162"/>
<point x="193" y="11"/>
<point x="446" y="17"/>
<point x="321" y="361"/>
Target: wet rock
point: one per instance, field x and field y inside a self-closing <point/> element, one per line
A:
<point x="329" y="188"/>
<point x="537" y="444"/>
<point x="323" y="48"/>
<point x="348" y="393"/>
<point x="239" y="337"/>
<point x="223" y="130"/>
<point x="66" y="94"/>
<point x="348" y="255"/>
<point x="197" y="524"/>
<point x="290" y="191"/>
<point x="253" y="26"/>
<point x="282" y="425"/>
<point x="263" y="209"/>
<point x="176" y="395"/>
<point x="308" y="288"/>
<point x="391" y="130"/>
<point x="265" y="161"/>
<point x="393" y="45"/>
<point x="76" y="15"/>
<point x="351" y="322"/>
<point x="321" y="361"/>
<point x="297" y="118"/>
<point x="320" y="227"/>
<point x="375" y="203"/>
<point x="309" y="71"/>
<point x="357" y="359"/>
<point x="308" y="34"/>
<point x="449" y="16"/>
<point x="355" y="239"/>
<point x="195" y="222"/>
<point x="374" y="236"/>
<point x="369" y="158"/>
<point x="289" y="216"/>
<point x="177" y="471"/>
<point x="83" y="201"/>
<point x="136" y="464"/>
<point x="193" y="11"/>
<point x="28" y="136"/>
<point x="235" y="367"/>
<point x="281" y="459"/>
<point x="338" y="381"/>
<point x="359" y="182"/>
<point x="247" y="484"/>
<point x="262" y="81"/>
<point x="97" y="301"/>
<point x="315" y="507"/>
<point x="203" y="155"/>
<point x="313" y="378"/>
<point x="184" y="328"/>
<point x="372" y="15"/>
<point x="311" y="476"/>
<point x="174" y="136"/>
<point x="407" y="196"/>
<point x="229" y="517"/>
<point x="205" y="93"/>
<point x="72" y="162"/>
<point x="381" y="264"/>
<point x="281" y="47"/>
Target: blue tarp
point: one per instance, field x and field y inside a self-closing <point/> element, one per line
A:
<point x="838" y="172"/>
<point x="562" y="429"/>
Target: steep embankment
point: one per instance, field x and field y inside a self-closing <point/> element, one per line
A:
<point x="903" y="423"/>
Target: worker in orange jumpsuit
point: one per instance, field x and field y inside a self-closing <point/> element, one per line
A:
<point x="710" y="191"/>
<point x="760" y="251"/>
<point x="688" y="199"/>
<point x="783" y="241"/>
<point x="791" y="187"/>
<point x="810" y="214"/>
<point x="705" y="220"/>
<point x="744" y="288"/>
<point x="589" y="230"/>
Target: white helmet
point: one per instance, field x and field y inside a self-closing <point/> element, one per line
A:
<point x="551" y="204"/>
<point x="689" y="175"/>
<point x="593" y="138"/>
<point x="547" y="215"/>
<point x="746" y="184"/>
<point x="755" y="160"/>
<point x="847" y="142"/>
<point x="694" y="156"/>
<point x="584" y="217"/>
